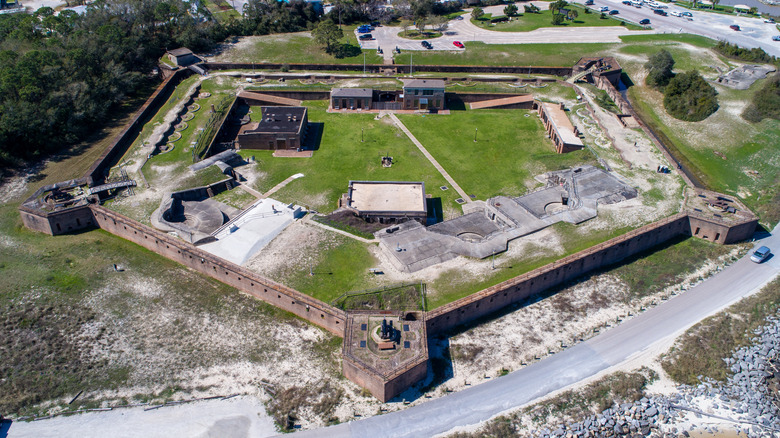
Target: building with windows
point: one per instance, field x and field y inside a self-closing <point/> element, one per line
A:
<point x="281" y="127"/>
<point x="423" y="94"/>
<point x="351" y="98"/>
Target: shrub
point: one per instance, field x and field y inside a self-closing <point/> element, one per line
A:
<point x="766" y="102"/>
<point x="476" y="13"/>
<point x="510" y="10"/>
<point x="531" y="9"/>
<point x="499" y="19"/>
<point x="557" y="19"/>
<point x="659" y="68"/>
<point x="689" y="97"/>
<point x="748" y="55"/>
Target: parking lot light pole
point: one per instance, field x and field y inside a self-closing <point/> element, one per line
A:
<point x="475" y="134"/>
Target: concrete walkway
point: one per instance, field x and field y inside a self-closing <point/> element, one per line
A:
<point x="430" y="158"/>
<point x="310" y="221"/>
<point x="279" y="186"/>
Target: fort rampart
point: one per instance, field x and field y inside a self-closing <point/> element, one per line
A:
<point x="122" y="142"/>
<point x="397" y="68"/>
<point x="85" y="214"/>
<point x="279" y="295"/>
<point x="497" y="297"/>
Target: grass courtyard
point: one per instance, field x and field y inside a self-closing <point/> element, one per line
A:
<point x="510" y="150"/>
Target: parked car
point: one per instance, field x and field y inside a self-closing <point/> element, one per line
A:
<point x="675" y="14"/>
<point x="457" y="44"/>
<point x="364" y="29"/>
<point x="760" y="254"/>
<point x="769" y="20"/>
<point x="366" y="37"/>
<point x="686" y="14"/>
<point x="776" y="38"/>
<point x="614" y="12"/>
<point x="427" y="45"/>
<point x="627" y="2"/>
<point x="734" y="27"/>
<point x="588" y="2"/>
<point x="459" y="17"/>
<point x="644" y="21"/>
<point x="604" y="8"/>
<point x="660" y="12"/>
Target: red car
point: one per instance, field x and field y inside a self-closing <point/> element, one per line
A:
<point x="458" y="44"/>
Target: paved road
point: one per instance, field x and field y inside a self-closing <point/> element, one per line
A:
<point x="754" y="33"/>
<point x="573" y="365"/>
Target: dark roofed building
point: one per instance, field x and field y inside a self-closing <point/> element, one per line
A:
<point x="351" y="98"/>
<point x="280" y="128"/>
<point x="423" y="94"/>
<point x="182" y="57"/>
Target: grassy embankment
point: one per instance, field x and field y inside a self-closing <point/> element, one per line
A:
<point x="299" y="47"/>
<point x="725" y="152"/>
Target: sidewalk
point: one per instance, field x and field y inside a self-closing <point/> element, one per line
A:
<point x="431" y="159"/>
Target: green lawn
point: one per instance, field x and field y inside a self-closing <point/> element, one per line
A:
<point x="298" y="48"/>
<point x="510" y="149"/>
<point x="342" y="267"/>
<point x="527" y="22"/>
<point x="478" y="53"/>
<point x="343" y="157"/>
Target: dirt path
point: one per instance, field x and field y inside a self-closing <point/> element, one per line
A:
<point x="430" y="158"/>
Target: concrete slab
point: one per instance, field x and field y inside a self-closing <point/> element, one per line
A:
<point x="489" y="227"/>
<point x="245" y="235"/>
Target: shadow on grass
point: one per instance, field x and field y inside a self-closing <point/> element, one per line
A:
<point x="314" y="136"/>
<point x="346" y="50"/>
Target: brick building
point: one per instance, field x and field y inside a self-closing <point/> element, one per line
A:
<point x="563" y="134"/>
<point x="423" y="94"/>
<point x="279" y="128"/>
<point x="351" y="98"/>
<point x="182" y="57"/>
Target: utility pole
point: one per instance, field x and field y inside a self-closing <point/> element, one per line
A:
<point x="364" y="63"/>
<point x="475" y="134"/>
<point x="361" y="135"/>
<point x="411" y="65"/>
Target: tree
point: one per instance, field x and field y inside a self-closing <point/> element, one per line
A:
<point x="405" y="25"/>
<point x="557" y="19"/>
<point x="477" y="13"/>
<point x="510" y="10"/>
<point x="689" y="97"/>
<point x="659" y="69"/>
<point x="440" y="23"/>
<point x="326" y="32"/>
<point x="573" y="14"/>
<point x="420" y="22"/>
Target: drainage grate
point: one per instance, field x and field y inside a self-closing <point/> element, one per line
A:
<point x="460" y="201"/>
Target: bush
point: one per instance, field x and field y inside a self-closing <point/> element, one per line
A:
<point x="499" y="19"/>
<point x="557" y="19"/>
<point x="531" y="9"/>
<point x="748" y="55"/>
<point x="659" y="68"/>
<point x="510" y="10"/>
<point x="766" y="102"/>
<point x="689" y="97"/>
